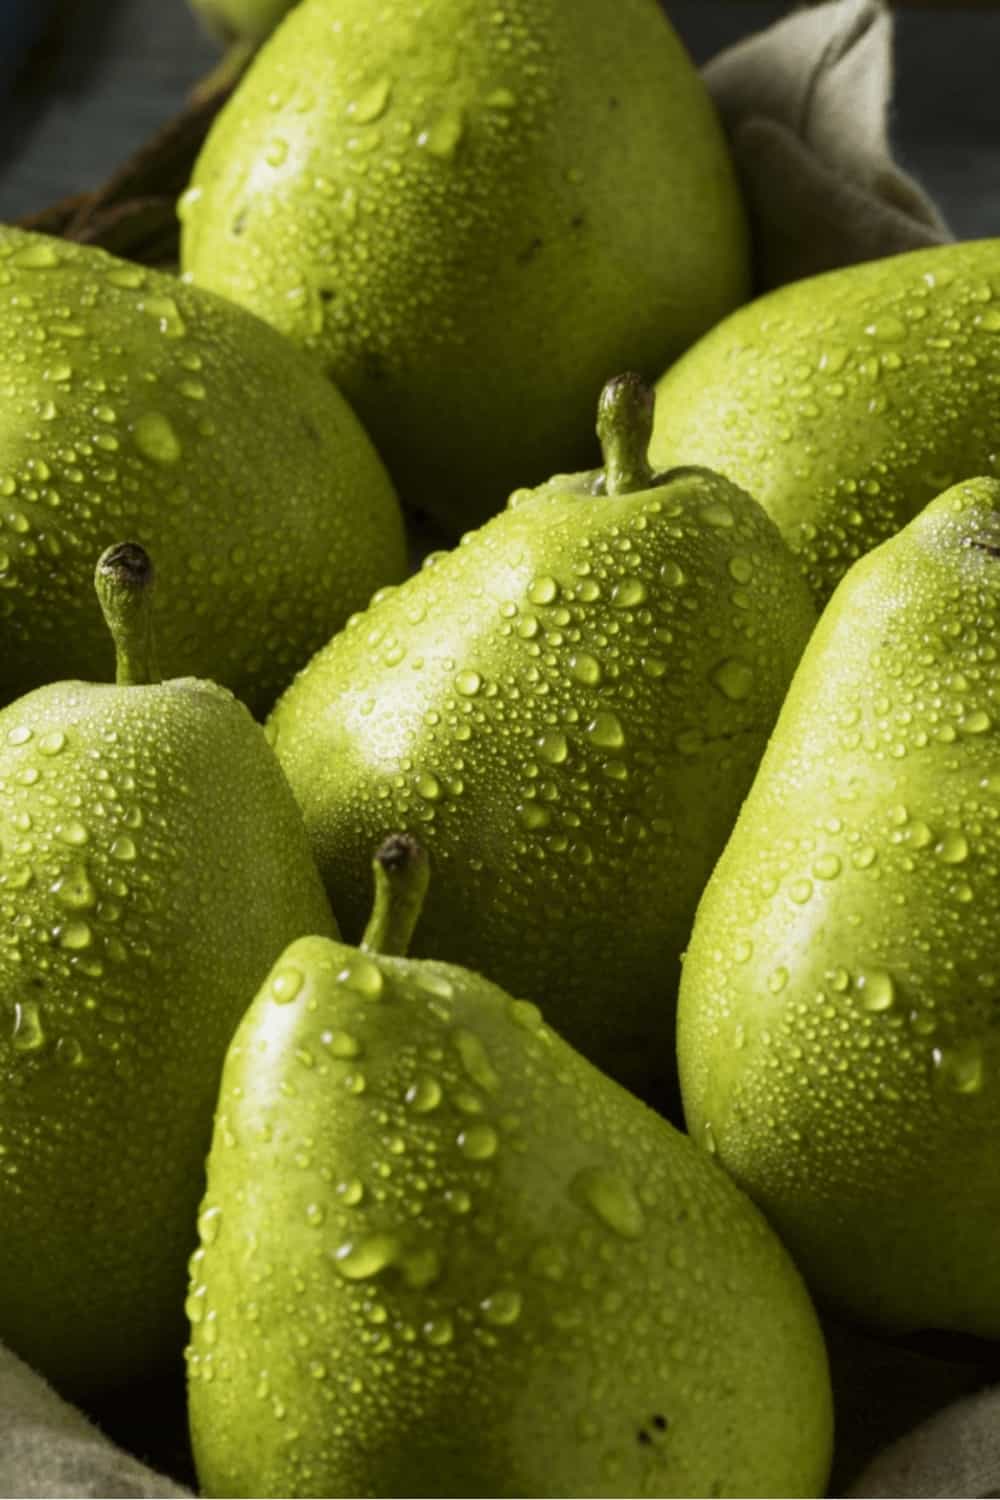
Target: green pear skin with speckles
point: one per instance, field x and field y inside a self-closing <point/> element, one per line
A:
<point x="837" y="1028"/>
<point x="443" y="1255"/>
<point x="472" y="216"/>
<point x="568" y="710"/>
<point x="241" y="20"/>
<point x="135" y="406"/>
<point x="846" y="402"/>
<point x="153" y="864"/>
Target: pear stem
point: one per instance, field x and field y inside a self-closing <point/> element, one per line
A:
<point x="401" y="876"/>
<point x="124" y="582"/>
<point x="624" y="427"/>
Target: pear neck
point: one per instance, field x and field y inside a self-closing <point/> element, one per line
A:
<point x="124" y="580"/>
<point x="624" y="428"/>
<point x="401" y="876"/>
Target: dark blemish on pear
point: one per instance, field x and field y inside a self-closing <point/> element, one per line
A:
<point x="240" y="222"/>
<point x="525" y="256"/>
<point x="992" y="549"/>
<point x="578" y="221"/>
<point x="398" y="851"/>
<point x="128" y="565"/>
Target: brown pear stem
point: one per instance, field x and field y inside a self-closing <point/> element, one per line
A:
<point x="124" y="581"/>
<point x="401" y="876"/>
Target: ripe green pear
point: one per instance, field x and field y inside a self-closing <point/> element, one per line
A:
<point x="241" y="20"/>
<point x="472" y="215"/>
<point x="136" y="406"/>
<point x="837" y="1032"/>
<point x="846" y="402"/>
<point x="568" y="710"/>
<point x="152" y="866"/>
<point x="443" y="1255"/>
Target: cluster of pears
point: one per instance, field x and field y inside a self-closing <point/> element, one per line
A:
<point x="440" y="1251"/>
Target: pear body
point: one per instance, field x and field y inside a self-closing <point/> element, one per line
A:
<point x="153" y="865"/>
<point x="135" y="406"/>
<point x="464" y="1262"/>
<point x="241" y="20"/>
<point x="567" y="711"/>
<point x="846" y="402"/>
<point x="837" y="1021"/>
<point x="473" y="217"/>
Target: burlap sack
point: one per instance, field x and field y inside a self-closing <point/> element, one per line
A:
<point x="806" y="107"/>
<point x="48" y="1448"/>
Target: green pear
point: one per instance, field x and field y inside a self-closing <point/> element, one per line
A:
<point x="568" y="710"/>
<point x="837" y="1031"/>
<point x="846" y="402"/>
<point x="136" y="406"/>
<point x="472" y="215"/>
<point x="241" y="20"/>
<point x="443" y="1255"/>
<point x="152" y="866"/>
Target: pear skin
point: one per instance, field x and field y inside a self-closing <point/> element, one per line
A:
<point x="137" y="406"/>
<point x="837" y="1030"/>
<point x="472" y="218"/>
<point x="152" y="866"/>
<point x="442" y="1255"/>
<point x="567" y="710"/>
<point x="846" y="402"/>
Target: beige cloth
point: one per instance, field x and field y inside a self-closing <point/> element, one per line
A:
<point x="955" y="1453"/>
<point x="48" y="1448"/>
<point x="806" y="106"/>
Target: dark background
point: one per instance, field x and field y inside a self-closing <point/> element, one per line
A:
<point x="112" y="70"/>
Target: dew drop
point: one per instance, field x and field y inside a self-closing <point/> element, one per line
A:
<point x="553" y="747"/>
<point x="543" y="590"/>
<point x="585" y="668"/>
<point x="357" y="1260"/>
<point x="628" y="593"/>
<point x="424" y="1094"/>
<point x="286" y="984"/>
<point x="209" y="1223"/>
<point x="441" y="139"/>
<point x="29" y="1033"/>
<point x="952" y="848"/>
<point x="605" y="730"/>
<point x="611" y="1197"/>
<point x="478" y="1142"/>
<point x="733" y="678"/>
<point x="156" y="439"/>
<point x="502" y="1308"/>
<point x="476" y="1060"/>
<point x="371" y="104"/>
<point x="362" y="977"/>
<point x="959" y="1069"/>
<point x="877" y="990"/>
<point x="74" y="890"/>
